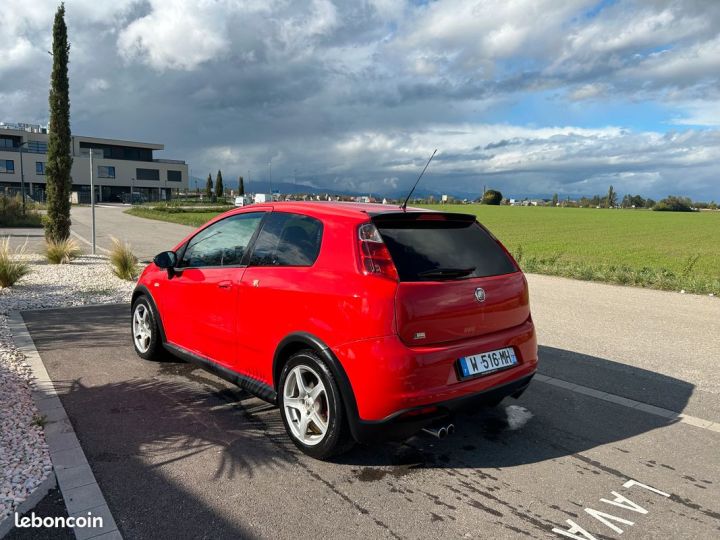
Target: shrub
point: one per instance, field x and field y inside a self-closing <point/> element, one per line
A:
<point x="62" y="251"/>
<point x="123" y="261"/>
<point x="492" y="196"/>
<point x="11" y="268"/>
<point x="11" y="213"/>
<point x="674" y="204"/>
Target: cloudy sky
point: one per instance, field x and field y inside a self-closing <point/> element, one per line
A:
<point x="527" y="96"/>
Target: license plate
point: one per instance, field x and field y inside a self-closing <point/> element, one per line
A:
<point x="486" y="362"/>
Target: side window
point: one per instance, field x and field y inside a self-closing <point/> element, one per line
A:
<point x="222" y="243"/>
<point x="287" y="240"/>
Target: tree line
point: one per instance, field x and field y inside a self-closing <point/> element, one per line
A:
<point x="671" y="203"/>
<point x="217" y="189"/>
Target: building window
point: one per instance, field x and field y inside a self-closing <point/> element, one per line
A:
<point x="6" y="142"/>
<point x="40" y="167"/>
<point x="112" y="151"/>
<point x="174" y="176"/>
<point x="7" y="166"/>
<point x="147" y="174"/>
<point x="106" y="172"/>
<point x="37" y="147"/>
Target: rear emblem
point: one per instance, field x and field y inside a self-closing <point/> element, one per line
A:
<point x="480" y="294"/>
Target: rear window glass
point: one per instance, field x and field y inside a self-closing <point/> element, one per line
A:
<point x="442" y="250"/>
<point x="287" y="240"/>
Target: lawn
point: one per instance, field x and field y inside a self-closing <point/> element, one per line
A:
<point x="192" y="217"/>
<point x="661" y="250"/>
<point x="666" y="250"/>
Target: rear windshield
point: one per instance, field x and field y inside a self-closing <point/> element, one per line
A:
<point x="443" y="249"/>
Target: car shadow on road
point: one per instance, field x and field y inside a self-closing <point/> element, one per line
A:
<point x="150" y="423"/>
<point x="547" y="422"/>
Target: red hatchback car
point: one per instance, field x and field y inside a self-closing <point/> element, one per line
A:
<point x="360" y="321"/>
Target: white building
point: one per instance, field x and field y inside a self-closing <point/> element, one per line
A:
<point x="118" y="166"/>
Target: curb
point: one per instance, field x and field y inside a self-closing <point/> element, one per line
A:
<point x="71" y="470"/>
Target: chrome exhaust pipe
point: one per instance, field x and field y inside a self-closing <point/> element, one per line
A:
<point x="440" y="432"/>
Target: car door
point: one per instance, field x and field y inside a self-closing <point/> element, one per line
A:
<point x="201" y="294"/>
<point x="276" y="296"/>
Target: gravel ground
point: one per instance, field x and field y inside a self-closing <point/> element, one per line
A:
<point x="24" y="458"/>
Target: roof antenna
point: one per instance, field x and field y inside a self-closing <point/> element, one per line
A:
<point x="404" y="205"/>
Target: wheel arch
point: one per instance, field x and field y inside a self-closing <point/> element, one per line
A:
<point x="299" y="341"/>
<point x="142" y="290"/>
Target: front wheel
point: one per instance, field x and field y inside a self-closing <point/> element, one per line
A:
<point x="145" y="330"/>
<point x="311" y="407"/>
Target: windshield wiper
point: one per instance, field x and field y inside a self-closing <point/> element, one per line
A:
<point x="447" y="272"/>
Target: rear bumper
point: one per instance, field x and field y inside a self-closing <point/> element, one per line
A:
<point x="400" y="425"/>
<point x="388" y="378"/>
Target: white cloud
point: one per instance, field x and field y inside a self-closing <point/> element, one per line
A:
<point x="588" y="91"/>
<point x="699" y="113"/>
<point x="98" y="85"/>
<point x="176" y="35"/>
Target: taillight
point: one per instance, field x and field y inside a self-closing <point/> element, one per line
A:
<point x="374" y="255"/>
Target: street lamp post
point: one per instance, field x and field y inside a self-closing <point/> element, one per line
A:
<point x="22" y="176"/>
<point x="92" y="200"/>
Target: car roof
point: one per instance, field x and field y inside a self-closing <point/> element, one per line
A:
<point x="338" y="208"/>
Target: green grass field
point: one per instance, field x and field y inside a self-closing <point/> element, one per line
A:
<point x="666" y="250"/>
<point x="189" y="217"/>
<point x="662" y="250"/>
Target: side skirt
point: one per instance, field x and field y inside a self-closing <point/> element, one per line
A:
<point x="255" y="387"/>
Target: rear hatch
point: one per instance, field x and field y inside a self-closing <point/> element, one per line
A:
<point x="457" y="281"/>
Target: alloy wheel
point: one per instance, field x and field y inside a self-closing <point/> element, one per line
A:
<point x="142" y="330"/>
<point x="305" y="404"/>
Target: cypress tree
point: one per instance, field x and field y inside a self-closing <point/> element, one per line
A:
<point x="59" y="159"/>
<point x="209" y="187"/>
<point x="241" y="186"/>
<point x="219" y="188"/>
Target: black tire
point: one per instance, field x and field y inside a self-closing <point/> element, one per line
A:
<point x="337" y="438"/>
<point x="155" y="350"/>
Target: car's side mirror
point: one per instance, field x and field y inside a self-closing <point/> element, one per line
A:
<point x="166" y="260"/>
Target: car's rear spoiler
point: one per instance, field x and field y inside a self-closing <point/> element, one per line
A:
<point x="388" y="218"/>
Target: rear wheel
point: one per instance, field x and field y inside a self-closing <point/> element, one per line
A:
<point x="145" y="330"/>
<point x="311" y="407"/>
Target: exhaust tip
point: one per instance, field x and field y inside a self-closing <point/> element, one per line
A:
<point x="451" y="429"/>
<point x="442" y="433"/>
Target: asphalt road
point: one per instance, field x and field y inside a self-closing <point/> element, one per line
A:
<point x="32" y="240"/>
<point x="180" y="453"/>
<point x="148" y="237"/>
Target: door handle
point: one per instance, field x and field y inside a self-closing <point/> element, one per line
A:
<point x="225" y="284"/>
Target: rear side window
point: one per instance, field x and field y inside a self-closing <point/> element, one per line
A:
<point x="287" y="240"/>
<point x="443" y="249"/>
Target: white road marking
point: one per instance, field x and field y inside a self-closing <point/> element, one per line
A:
<point x="578" y="533"/>
<point x="605" y="519"/>
<point x="631" y="483"/>
<point x="88" y="242"/>
<point x="624" y="502"/>
<point x="573" y="531"/>
<point x="630" y="403"/>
